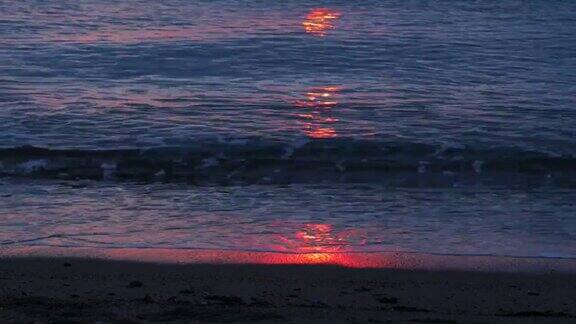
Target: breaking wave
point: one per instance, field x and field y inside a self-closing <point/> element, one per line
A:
<point x="255" y="162"/>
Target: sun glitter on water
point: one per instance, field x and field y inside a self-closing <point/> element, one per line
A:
<point x="317" y="119"/>
<point x="320" y="20"/>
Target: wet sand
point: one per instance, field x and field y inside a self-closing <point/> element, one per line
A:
<point x="61" y="289"/>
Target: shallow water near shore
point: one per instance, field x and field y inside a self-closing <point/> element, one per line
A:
<point x="535" y="222"/>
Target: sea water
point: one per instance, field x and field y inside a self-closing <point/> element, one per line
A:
<point x="291" y="126"/>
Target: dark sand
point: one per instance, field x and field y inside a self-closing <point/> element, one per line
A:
<point x="81" y="290"/>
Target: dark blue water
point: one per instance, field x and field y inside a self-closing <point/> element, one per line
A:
<point x="390" y="94"/>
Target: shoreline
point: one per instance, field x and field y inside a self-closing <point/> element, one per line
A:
<point x="84" y="288"/>
<point x="374" y="260"/>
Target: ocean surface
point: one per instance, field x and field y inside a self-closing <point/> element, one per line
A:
<point x="291" y="126"/>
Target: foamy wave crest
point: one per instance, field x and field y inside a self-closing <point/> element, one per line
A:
<point x="256" y="162"/>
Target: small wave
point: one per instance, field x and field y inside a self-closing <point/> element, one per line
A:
<point x="254" y="162"/>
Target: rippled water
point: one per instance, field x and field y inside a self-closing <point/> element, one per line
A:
<point x="108" y="74"/>
<point x="406" y="94"/>
<point x="295" y="219"/>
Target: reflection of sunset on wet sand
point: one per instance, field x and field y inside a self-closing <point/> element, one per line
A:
<point x="316" y="121"/>
<point x="318" y="243"/>
<point x="320" y="20"/>
<point x="388" y="260"/>
<point x="193" y="256"/>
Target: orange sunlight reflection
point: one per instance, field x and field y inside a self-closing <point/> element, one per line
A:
<point x="319" y="243"/>
<point x="390" y="260"/>
<point x="193" y="256"/>
<point x="321" y="238"/>
<point x="318" y="238"/>
<point x="320" y="20"/>
<point x="309" y="244"/>
<point x="316" y="120"/>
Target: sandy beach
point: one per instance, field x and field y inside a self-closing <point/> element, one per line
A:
<point x="59" y="289"/>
